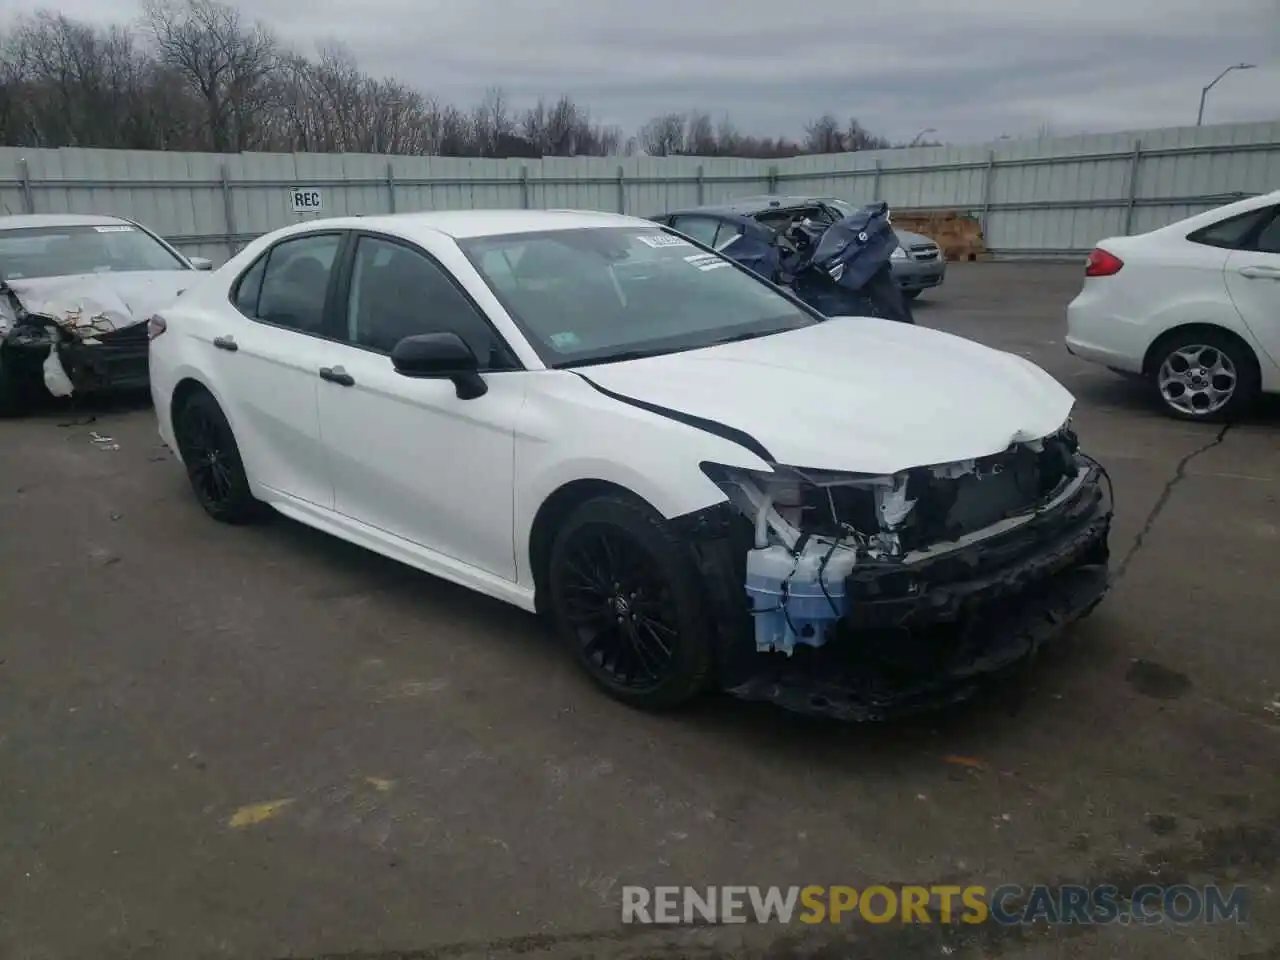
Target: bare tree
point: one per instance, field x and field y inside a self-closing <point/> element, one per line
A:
<point x="823" y="135"/>
<point x="228" y="65"/>
<point x="200" y="77"/>
<point x="663" y="136"/>
<point x="857" y="137"/>
<point x="700" y="136"/>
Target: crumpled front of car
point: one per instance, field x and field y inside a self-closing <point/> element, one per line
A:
<point x="868" y="596"/>
<point x="75" y="334"/>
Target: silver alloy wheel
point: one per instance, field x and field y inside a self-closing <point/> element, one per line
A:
<point x="1197" y="380"/>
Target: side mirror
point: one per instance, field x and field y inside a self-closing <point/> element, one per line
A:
<point x="200" y="263"/>
<point x="440" y="356"/>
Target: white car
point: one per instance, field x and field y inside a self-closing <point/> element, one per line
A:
<point x="699" y="480"/>
<point x="1193" y="307"/>
<point x="75" y="293"/>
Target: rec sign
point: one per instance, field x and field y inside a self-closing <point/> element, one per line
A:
<point x="306" y="200"/>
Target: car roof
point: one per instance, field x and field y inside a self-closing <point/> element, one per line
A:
<point x="750" y="205"/>
<point x="24" y="221"/>
<point x="464" y="224"/>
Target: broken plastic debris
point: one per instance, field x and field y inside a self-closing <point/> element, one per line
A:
<point x="56" y="380"/>
<point x="101" y="442"/>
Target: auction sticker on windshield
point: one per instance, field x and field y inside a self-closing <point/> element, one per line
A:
<point x="706" y="261"/>
<point x="657" y="240"/>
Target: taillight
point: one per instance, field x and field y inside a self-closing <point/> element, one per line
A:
<point x="156" y="326"/>
<point x="1102" y="263"/>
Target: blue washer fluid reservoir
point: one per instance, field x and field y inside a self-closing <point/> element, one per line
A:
<point x="788" y="603"/>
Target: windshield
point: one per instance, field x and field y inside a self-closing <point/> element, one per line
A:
<point x="609" y="293"/>
<point x="32" y="252"/>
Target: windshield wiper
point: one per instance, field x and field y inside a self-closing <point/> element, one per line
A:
<point x="738" y="337"/>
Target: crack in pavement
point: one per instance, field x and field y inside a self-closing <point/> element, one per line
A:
<point x="1179" y="474"/>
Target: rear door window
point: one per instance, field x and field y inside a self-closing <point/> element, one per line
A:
<point x="702" y="229"/>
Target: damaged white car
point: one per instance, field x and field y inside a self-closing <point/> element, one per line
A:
<point x="75" y="293"/>
<point x="700" y="480"/>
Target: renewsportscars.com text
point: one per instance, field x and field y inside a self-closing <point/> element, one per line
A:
<point x="1008" y="904"/>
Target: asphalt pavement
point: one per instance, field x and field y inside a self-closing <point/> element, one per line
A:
<point x="264" y="743"/>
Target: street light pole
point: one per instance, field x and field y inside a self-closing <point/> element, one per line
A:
<point x="921" y="134"/>
<point x="1204" y="92"/>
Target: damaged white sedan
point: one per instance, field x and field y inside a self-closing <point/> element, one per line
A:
<point x="75" y="293"/>
<point x="698" y="479"/>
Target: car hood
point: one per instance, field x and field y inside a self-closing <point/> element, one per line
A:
<point x="853" y="394"/>
<point x="94" y="303"/>
<point x="910" y="238"/>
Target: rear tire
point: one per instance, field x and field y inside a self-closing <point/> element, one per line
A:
<point x="1204" y="375"/>
<point x="626" y="598"/>
<point x="212" y="460"/>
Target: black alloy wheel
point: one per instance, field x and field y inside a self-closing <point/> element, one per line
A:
<point x="625" y="597"/>
<point x="212" y="460"/>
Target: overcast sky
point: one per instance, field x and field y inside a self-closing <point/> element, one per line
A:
<point x="971" y="69"/>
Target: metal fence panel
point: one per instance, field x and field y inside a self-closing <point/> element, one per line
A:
<point x="1050" y="196"/>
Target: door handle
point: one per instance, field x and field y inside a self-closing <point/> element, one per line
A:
<point x="226" y="343"/>
<point x="337" y="375"/>
<point x="1260" y="273"/>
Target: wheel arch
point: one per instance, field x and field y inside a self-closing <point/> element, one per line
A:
<point x="553" y="511"/>
<point x="1153" y="351"/>
<point x="184" y="389"/>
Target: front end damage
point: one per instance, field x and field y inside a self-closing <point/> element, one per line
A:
<point x="861" y="597"/>
<point x="71" y="340"/>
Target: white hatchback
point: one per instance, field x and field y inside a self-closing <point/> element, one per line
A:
<point x="701" y="480"/>
<point x="1193" y="307"/>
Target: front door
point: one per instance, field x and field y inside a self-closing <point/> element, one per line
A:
<point x="407" y="456"/>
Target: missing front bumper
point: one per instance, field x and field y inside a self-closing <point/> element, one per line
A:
<point x="919" y="636"/>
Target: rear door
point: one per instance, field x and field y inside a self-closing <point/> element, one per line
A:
<point x="1253" y="280"/>
<point x="267" y="366"/>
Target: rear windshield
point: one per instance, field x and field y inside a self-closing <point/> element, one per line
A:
<point x="608" y="293"/>
<point x="32" y="252"/>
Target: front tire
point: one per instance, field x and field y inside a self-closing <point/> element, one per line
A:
<point x="212" y="460"/>
<point x="625" y="597"/>
<point x="14" y="395"/>
<point x="1204" y="375"/>
<point x="911" y="294"/>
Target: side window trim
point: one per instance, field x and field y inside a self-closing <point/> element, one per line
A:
<point x="1255" y="242"/>
<point x="1258" y="216"/>
<point x="341" y="298"/>
<point x="339" y="259"/>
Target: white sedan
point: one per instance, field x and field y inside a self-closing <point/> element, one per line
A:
<point x="1193" y="307"/>
<point x="699" y="480"/>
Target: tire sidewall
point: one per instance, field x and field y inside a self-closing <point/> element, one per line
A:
<point x="693" y="653"/>
<point x="241" y="506"/>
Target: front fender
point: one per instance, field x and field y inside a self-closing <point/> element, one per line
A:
<point x="570" y="432"/>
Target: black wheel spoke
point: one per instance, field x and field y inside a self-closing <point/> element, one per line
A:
<point x="618" y="604"/>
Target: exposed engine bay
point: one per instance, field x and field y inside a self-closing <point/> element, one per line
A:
<point x="896" y="576"/>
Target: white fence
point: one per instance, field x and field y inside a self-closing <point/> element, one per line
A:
<point x="1047" y="197"/>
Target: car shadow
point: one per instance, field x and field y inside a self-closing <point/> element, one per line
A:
<point x="85" y="408"/>
<point x="756" y="727"/>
